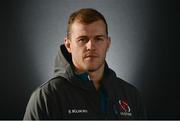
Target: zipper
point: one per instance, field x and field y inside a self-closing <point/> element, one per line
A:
<point x="96" y="98"/>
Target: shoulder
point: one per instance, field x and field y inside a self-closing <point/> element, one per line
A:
<point x="126" y="85"/>
<point x="120" y="83"/>
<point x="52" y="85"/>
<point x="47" y="91"/>
<point x="49" y="88"/>
<point x="128" y="89"/>
<point x="43" y="99"/>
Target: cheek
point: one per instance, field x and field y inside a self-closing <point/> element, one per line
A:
<point x="103" y="50"/>
<point x="76" y="53"/>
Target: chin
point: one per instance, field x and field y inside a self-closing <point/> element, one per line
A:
<point x="92" y="68"/>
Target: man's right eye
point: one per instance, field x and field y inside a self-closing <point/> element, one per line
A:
<point x="83" y="40"/>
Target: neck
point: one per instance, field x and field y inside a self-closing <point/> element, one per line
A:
<point x="96" y="76"/>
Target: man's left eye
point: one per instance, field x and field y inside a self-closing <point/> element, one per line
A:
<point x="99" y="39"/>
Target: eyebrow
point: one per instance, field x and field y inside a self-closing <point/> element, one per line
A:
<point x="84" y="36"/>
<point x="81" y="37"/>
<point x="101" y="35"/>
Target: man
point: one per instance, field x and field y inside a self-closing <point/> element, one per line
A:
<point x="84" y="86"/>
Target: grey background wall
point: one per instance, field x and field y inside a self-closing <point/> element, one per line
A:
<point x="144" y="49"/>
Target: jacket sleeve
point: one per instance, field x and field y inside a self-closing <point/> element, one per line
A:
<point x="37" y="106"/>
<point x="141" y="112"/>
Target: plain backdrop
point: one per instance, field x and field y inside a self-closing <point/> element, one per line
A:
<point x="144" y="49"/>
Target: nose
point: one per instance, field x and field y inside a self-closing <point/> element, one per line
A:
<point x="90" y="45"/>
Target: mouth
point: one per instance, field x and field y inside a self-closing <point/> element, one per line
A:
<point x="90" y="56"/>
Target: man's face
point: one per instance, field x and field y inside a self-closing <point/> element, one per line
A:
<point x="88" y="44"/>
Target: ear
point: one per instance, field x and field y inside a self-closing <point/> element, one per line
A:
<point x="67" y="44"/>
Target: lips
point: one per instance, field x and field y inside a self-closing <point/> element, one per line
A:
<point x="91" y="56"/>
<point x="88" y="56"/>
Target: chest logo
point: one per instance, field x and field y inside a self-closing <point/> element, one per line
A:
<point x="125" y="110"/>
<point x="76" y="111"/>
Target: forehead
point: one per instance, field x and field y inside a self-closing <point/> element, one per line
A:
<point x="92" y="29"/>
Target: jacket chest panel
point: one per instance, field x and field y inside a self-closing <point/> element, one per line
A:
<point x="79" y="104"/>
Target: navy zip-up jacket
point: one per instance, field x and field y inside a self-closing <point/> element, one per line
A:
<point x="73" y="96"/>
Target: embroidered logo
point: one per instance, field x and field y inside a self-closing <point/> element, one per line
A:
<point x="125" y="110"/>
<point x="75" y="111"/>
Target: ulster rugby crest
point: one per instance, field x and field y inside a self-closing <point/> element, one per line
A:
<point x="125" y="110"/>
